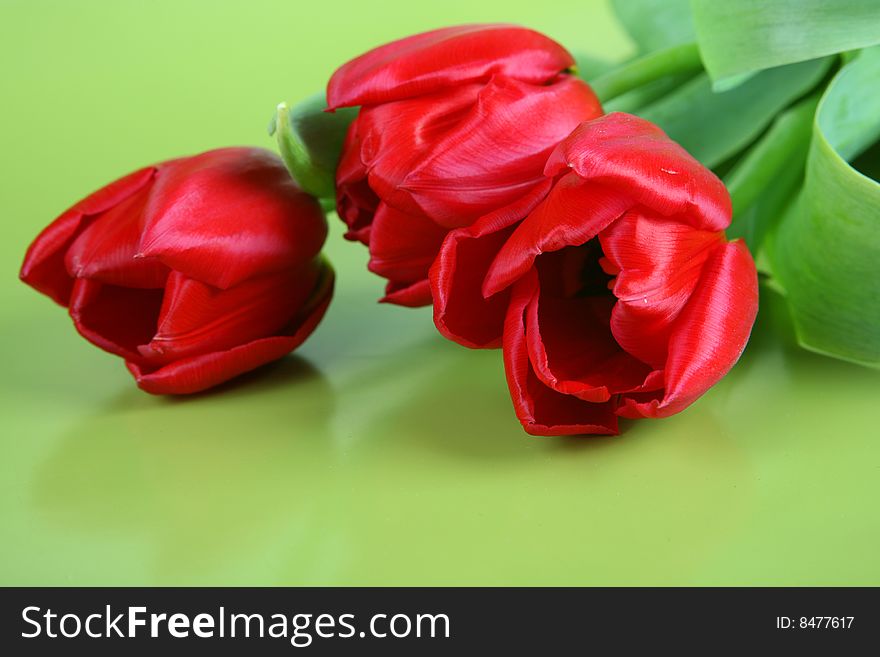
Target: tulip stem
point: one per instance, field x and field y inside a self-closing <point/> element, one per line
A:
<point x="684" y="58"/>
<point x="632" y="101"/>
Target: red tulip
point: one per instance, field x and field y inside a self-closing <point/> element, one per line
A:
<point x="611" y="288"/>
<point x="454" y="124"/>
<point x="193" y="270"/>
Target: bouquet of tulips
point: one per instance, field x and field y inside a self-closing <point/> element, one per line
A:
<point x="599" y="223"/>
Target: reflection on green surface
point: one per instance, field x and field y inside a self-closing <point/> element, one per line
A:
<point x="380" y="454"/>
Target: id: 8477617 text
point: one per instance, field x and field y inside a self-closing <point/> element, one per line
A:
<point x="814" y="622"/>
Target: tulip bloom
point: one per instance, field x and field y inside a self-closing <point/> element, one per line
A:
<point x="454" y="124"/>
<point x="611" y="288"/>
<point x="193" y="270"/>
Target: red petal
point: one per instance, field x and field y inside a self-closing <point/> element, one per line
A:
<point x="467" y="152"/>
<point x="572" y="214"/>
<point x="409" y="294"/>
<point x="710" y="334"/>
<point x="229" y="214"/>
<point x="106" y="249"/>
<point x="427" y="62"/>
<point x="541" y="410"/>
<point x="356" y="203"/>
<point x="636" y="158"/>
<point x="461" y="313"/>
<point x="197" y="318"/>
<point x="403" y="246"/>
<point x="43" y="267"/>
<point x="116" y="319"/>
<point x="392" y="139"/>
<point x="659" y="263"/>
<point x="198" y="373"/>
<point x="573" y="352"/>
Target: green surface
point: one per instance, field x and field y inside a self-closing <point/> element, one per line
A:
<point x="381" y="454"/>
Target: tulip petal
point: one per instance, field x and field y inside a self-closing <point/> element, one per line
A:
<point x="541" y="410"/>
<point x="638" y="160"/>
<point x="43" y="267"/>
<point x="410" y="294"/>
<point x="197" y="318"/>
<point x="659" y="263"/>
<point x="356" y="203"/>
<point x="710" y="334"/>
<point x="461" y="313"/>
<point x="226" y="215"/>
<point x="462" y="154"/>
<point x="106" y="249"/>
<point x="116" y="319"/>
<point x="448" y="57"/>
<point x="393" y="138"/>
<point x="572" y="351"/>
<point x="572" y="214"/>
<point x="403" y="246"/>
<point x="198" y="373"/>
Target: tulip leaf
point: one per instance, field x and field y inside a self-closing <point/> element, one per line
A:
<point x="714" y="126"/>
<point x="765" y="180"/>
<point x="310" y="142"/>
<point x="740" y="36"/>
<point x="633" y="101"/>
<point x="674" y="60"/>
<point x="755" y="223"/>
<point x="826" y="250"/>
<point x="656" y="24"/>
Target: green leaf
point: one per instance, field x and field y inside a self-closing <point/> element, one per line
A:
<point x="764" y="181"/>
<point x="740" y="36"/>
<point x="675" y="60"/>
<point x="310" y="142"/>
<point x="826" y="251"/>
<point x="656" y="24"/>
<point x="715" y="126"/>
<point x="634" y="101"/>
<point x="756" y="222"/>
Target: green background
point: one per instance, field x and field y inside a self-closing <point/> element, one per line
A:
<point x="380" y="454"/>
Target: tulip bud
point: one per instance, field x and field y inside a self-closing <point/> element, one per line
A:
<point x="612" y="291"/>
<point x="193" y="270"/>
<point x="453" y="124"/>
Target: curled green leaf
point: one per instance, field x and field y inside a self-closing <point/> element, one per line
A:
<point x="826" y="250"/>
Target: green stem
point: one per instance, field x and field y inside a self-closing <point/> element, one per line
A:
<point x="684" y="58"/>
<point x="783" y="145"/>
<point x="640" y="97"/>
